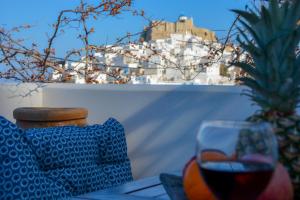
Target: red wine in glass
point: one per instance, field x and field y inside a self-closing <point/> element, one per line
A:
<point x="236" y="180"/>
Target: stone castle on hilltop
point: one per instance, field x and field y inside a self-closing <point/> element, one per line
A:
<point x="184" y="25"/>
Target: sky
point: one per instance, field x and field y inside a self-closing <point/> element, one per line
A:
<point x="210" y="14"/>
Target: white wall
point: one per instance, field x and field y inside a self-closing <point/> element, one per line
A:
<point x="13" y="96"/>
<point x="160" y="121"/>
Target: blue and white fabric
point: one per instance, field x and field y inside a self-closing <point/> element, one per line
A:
<point x="86" y="158"/>
<point x="59" y="162"/>
<point x="20" y="176"/>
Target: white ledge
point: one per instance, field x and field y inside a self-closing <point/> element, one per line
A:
<point x="152" y="88"/>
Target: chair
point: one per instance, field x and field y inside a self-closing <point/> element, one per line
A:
<point x="59" y="162"/>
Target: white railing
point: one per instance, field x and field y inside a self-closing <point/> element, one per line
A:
<point x="160" y="121"/>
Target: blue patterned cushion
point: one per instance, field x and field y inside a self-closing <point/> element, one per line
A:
<point x="66" y="146"/>
<point x="85" y="158"/>
<point x="114" y="144"/>
<point x="114" y="159"/>
<point x="20" y="176"/>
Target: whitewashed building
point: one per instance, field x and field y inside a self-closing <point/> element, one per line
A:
<point x="176" y="59"/>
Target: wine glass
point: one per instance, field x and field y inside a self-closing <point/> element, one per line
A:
<point x="236" y="159"/>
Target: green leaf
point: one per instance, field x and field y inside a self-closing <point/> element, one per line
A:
<point x="292" y="14"/>
<point x="249" y="69"/>
<point x="271" y="39"/>
<point x="267" y="19"/>
<point x="250" y="82"/>
<point x="253" y="33"/>
<point x="276" y="12"/>
<point x="251" y="48"/>
<point x="252" y="18"/>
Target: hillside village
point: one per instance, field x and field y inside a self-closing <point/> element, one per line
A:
<point x="167" y="53"/>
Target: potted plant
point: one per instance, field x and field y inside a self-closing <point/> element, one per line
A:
<point x="271" y="37"/>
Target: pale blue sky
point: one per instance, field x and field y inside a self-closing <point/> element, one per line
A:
<point x="211" y="14"/>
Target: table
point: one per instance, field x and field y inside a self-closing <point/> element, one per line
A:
<point x="148" y="188"/>
<point x="40" y="117"/>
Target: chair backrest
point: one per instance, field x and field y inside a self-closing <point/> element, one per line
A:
<point x="81" y="159"/>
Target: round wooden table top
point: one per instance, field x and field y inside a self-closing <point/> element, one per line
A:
<point x="49" y="114"/>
